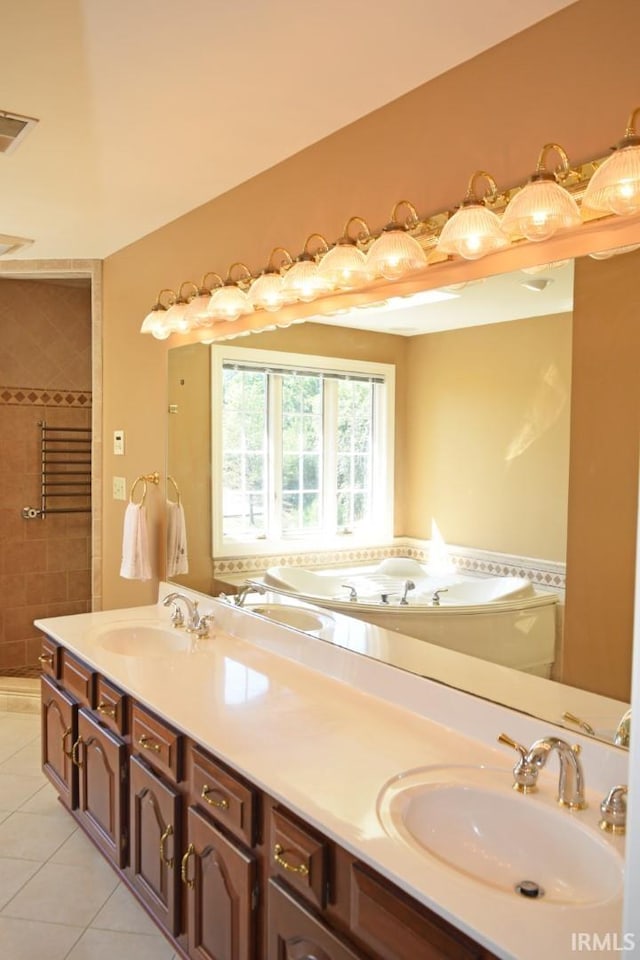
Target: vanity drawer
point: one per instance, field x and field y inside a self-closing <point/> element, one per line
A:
<point x="49" y="657"/>
<point x="300" y="857"/>
<point x="78" y="679"/>
<point x="390" y="924"/>
<point x="110" y="705"/>
<point x="224" y="796"/>
<point x="159" y="743"/>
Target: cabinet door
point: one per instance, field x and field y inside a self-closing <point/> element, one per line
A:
<point x="221" y="880"/>
<point x="101" y="760"/>
<point x="295" y="934"/>
<point x="59" y="731"/>
<point x="155" y="843"/>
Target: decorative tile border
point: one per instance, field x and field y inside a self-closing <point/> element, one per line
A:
<point x="37" y="397"/>
<point x="543" y="573"/>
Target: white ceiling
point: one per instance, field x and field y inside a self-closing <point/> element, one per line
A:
<point x="150" y="108"/>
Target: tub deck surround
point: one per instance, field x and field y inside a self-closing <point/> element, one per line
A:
<point x="266" y="699"/>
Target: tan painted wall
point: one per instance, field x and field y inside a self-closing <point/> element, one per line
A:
<point x="557" y="80"/>
<point x="488" y="436"/>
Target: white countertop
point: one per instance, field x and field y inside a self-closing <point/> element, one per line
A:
<point x="322" y="729"/>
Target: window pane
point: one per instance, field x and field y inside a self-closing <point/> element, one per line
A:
<point x="360" y="471"/>
<point x="290" y="472"/>
<point x="311" y="472"/>
<point x="310" y="510"/>
<point x="311" y="431"/>
<point x="343" y="472"/>
<point x="244" y="478"/>
<point x="290" y="511"/>
<point x="343" y="510"/>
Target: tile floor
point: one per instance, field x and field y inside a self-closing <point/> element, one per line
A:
<point x="58" y="897"/>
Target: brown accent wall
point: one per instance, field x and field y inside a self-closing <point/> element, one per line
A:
<point x="605" y="431"/>
<point x="45" y="374"/>
<point x="488" y="436"/>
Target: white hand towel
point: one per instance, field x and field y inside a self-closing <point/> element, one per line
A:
<point x="135" y="544"/>
<point x="177" y="558"/>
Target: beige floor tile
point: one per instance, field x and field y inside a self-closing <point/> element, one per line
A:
<point x="78" y="851"/>
<point x="15" y="789"/>
<point x="122" y="912"/>
<point x="26" y="940"/>
<point x="33" y="836"/>
<point x="46" y="802"/>
<point x="64" y="894"/>
<point x="13" y="875"/>
<point x="27" y="760"/>
<point x="108" y="944"/>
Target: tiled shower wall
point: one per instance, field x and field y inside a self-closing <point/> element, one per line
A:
<point x="45" y="374"/>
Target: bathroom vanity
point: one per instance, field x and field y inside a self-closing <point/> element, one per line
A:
<point x="234" y="785"/>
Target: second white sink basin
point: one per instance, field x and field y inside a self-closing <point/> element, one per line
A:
<point x="470" y="819"/>
<point x="143" y="639"/>
<point x="291" y="616"/>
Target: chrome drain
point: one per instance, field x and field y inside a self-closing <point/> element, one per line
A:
<point x="529" y="888"/>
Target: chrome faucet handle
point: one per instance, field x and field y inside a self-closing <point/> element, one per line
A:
<point x="177" y="617"/>
<point x="202" y="630"/>
<point x="408" y="585"/>
<point x="435" y="600"/>
<point x="353" y="593"/>
<point x="525" y="771"/>
<point x="614" y="810"/>
<point x="586" y="727"/>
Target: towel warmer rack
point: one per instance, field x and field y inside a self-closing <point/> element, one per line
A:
<point x="65" y="471"/>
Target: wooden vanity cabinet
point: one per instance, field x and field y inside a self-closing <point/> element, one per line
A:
<point x="59" y="717"/>
<point x="101" y="759"/>
<point x="295" y="933"/>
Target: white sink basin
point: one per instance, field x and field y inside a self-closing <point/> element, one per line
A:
<point x="471" y="820"/>
<point x="143" y="639"/>
<point x="290" y="616"/>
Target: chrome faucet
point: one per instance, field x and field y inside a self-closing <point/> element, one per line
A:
<point x="623" y="730"/>
<point x="531" y="762"/>
<point x="408" y="585"/>
<point x="435" y="600"/>
<point x="614" y="810"/>
<point x="353" y="593"/>
<point x="195" y="622"/>
<point x="242" y="594"/>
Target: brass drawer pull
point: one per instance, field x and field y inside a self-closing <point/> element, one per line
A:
<point x="75" y="749"/>
<point x="106" y="710"/>
<point x="302" y="868"/>
<point x="147" y="743"/>
<point x="167" y="861"/>
<point x="220" y="804"/>
<point x="191" y="850"/>
<point x="67" y="753"/>
<point x="46" y="658"/>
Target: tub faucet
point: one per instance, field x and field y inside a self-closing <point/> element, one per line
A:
<point x="435" y="600"/>
<point x="531" y="762"/>
<point x="623" y="730"/>
<point x="242" y="594"/>
<point x="408" y="585"/>
<point x="195" y="622"/>
<point x="353" y="593"/>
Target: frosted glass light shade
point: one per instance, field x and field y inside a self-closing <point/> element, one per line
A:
<point x="539" y="210"/>
<point x="472" y="232"/>
<point x="197" y="309"/>
<point x="344" y="267"/>
<point x="228" y="303"/>
<point x="615" y="186"/>
<point x="303" y="281"/>
<point x="394" y="254"/>
<point x="154" y="323"/>
<point x="175" y="318"/>
<point x="266" y="293"/>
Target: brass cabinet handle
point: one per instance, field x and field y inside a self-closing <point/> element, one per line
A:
<point x="168" y="861"/>
<point x="302" y="868"/>
<point x="191" y="850"/>
<point x="75" y="758"/>
<point x="147" y="743"/>
<point x="106" y="710"/>
<point x="220" y="804"/>
<point x="46" y="658"/>
<point x="67" y="753"/>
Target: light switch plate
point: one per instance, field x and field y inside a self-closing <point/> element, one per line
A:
<point x="119" y="488"/>
<point x="118" y="442"/>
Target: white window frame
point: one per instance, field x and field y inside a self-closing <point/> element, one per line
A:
<point x="383" y="453"/>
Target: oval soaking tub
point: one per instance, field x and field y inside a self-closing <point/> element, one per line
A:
<point x="501" y="619"/>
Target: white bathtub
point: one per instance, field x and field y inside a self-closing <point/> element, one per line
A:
<point x="501" y="619"/>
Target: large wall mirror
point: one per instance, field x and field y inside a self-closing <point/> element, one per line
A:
<point x="493" y="388"/>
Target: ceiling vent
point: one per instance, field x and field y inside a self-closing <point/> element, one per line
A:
<point x="10" y="244"/>
<point x="13" y="129"/>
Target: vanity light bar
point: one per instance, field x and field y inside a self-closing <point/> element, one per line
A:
<point x="553" y="199"/>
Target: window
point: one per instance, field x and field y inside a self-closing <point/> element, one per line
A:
<point x="303" y="450"/>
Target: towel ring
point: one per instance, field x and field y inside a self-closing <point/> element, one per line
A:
<point x="175" y="487"/>
<point x="144" y="479"/>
